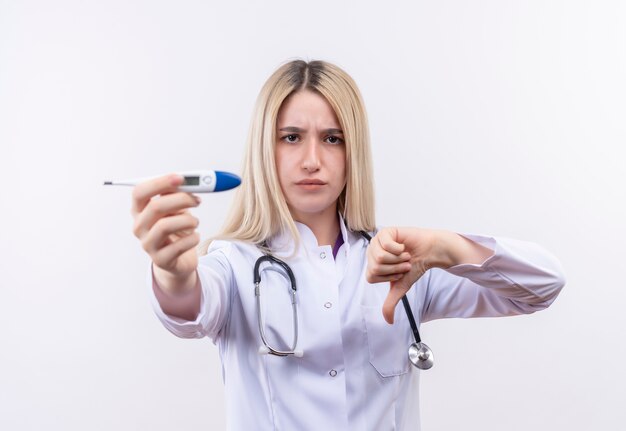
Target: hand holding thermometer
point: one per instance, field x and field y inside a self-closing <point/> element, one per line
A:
<point x="202" y="181"/>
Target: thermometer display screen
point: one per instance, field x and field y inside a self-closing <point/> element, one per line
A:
<point x="191" y="181"/>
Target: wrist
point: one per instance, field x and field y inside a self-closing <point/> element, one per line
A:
<point x="455" y="249"/>
<point x="174" y="284"/>
<point x="444" y="253"/>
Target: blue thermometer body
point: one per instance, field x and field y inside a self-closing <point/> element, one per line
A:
<point x="203" y="181"/>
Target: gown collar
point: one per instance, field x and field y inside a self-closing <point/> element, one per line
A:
<point x="283" y="242"/>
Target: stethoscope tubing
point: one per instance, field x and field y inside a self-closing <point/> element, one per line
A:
<point x="419" y="354"/>
<point x="257" y="293"/>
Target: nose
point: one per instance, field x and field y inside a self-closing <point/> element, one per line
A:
<point x="311" y="159"/>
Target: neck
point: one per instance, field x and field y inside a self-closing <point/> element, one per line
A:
<point x="325" y="225"/>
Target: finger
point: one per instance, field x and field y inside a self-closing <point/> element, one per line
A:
<point x="146" y="190"/>
<point x="163" y="229"/>
<point x="390" y="269"/>
<point x="185" y="231"/>
<point x="396" y="292"/>
<point x="169" y="229"/>
<point x="381" y="256"/>
<point x="384" y="278"/>
<point x="165" y="206"/>
<point x="388" y="243"/>
<point x="166" y="257"/>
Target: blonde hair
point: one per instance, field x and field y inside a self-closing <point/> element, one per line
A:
<point x="259" y="210"/>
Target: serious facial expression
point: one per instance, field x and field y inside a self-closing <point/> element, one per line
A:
<point x="310" y="154"/>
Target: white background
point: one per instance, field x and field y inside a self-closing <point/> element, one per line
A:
<point x="498" y="117"/>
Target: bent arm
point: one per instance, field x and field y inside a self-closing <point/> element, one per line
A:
<point x="518" y="278"/>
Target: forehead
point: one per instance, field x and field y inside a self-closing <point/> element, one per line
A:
<point x="306" y="107"/>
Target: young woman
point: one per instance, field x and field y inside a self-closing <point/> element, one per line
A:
<point x="307" y="199"/>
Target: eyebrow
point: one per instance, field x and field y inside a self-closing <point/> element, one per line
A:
<point x="292" y="129"/>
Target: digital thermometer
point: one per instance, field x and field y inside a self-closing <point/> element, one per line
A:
<point x="195" y="181"/>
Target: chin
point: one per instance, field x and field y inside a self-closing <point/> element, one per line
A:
<point x="310" y="207"/>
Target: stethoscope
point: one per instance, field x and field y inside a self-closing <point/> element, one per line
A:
<point x="420" y="354"/>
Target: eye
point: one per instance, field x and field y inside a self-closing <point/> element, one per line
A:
<point x="334" y="140"/>
<point x="291" y="139"/>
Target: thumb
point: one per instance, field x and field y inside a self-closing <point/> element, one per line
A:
<point x="396" y="291"/>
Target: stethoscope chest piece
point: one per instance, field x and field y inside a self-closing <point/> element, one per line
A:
<point x="421" y="356"/>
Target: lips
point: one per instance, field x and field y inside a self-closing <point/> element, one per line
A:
<point x="309" y="182"/>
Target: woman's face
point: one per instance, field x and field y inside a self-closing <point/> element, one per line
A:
<point x="310" y="155"/>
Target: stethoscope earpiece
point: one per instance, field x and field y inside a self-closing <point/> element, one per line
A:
<point x="421" y="356"/>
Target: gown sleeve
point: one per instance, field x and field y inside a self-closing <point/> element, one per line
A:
<point x="216" y="281"/>
<point x="519" y="278"/>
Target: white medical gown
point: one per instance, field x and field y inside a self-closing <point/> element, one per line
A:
<point x="354" y="374"/>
